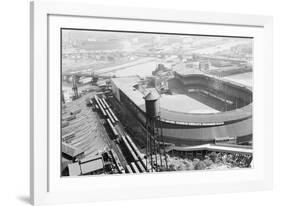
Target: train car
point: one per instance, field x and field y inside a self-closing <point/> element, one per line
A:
<point x="113" y="115"/>
<point x="96" y="98"/>
<point x="128" y="169"/>
<point x="140" y="166"/>
<point x="134" y="167"/>
<point x="117" y="162"/>
<point x="105" y="103"/>
<point x="110" y="110"/>
<point x="101" y="102"/>
<point x="110" y="116"/>
<point x="135" y="158"/>
<point x="120" y="168"/>
<point x="103" y="111"/>
<point x="136" y="150"/>
<point x="101" y="108"/>
<point x="112" y="128"/>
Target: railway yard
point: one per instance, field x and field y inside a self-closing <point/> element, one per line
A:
<point x="91" y="133"/>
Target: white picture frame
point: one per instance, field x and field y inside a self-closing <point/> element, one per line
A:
<point x="47" y="187"/>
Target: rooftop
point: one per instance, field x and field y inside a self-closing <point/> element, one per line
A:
<point x="70" y="150"/>
<point x="126" y="85"/>
<point x="74" y="169"/>
<point x="184" y="70"/>
<point x="91" y="166"/>
<point x="89" y="134"/>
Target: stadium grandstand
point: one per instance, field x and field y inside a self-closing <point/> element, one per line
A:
<point x="200" y="108"/>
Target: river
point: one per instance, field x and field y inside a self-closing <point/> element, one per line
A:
<point x="142" y="70"/>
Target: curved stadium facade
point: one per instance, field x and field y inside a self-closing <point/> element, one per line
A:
<point x="232" y="101"/>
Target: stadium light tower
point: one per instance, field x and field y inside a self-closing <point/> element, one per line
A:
<point x="154" y="131"/>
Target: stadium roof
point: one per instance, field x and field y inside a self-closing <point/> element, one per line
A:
<point x="125" y="84"/>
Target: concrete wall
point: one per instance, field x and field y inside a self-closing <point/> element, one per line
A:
<point x="187" y="135"/>
<point x="115" y="90"/>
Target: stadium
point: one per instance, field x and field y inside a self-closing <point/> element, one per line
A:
<point x="198" y="109"/>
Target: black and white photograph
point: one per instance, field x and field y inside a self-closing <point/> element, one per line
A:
<point x="142" y="102"/>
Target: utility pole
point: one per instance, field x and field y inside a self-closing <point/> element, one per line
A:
<point x="74" y="87"/>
